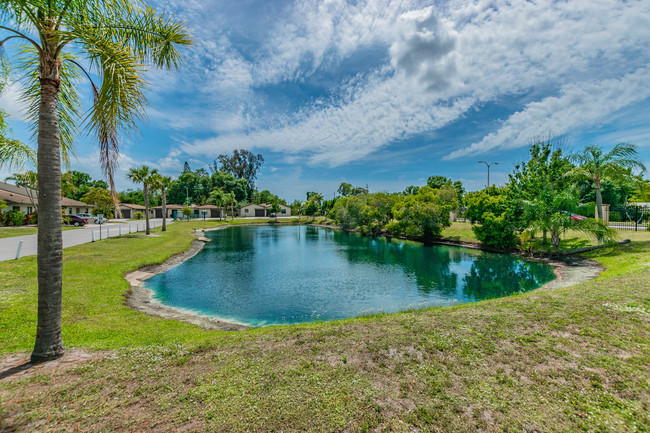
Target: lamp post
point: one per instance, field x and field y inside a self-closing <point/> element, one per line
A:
<point x="488" y="167"/>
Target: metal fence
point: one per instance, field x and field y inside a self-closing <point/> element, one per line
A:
<point x="629" y="217"/>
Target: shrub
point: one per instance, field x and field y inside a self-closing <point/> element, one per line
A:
<point x="32" y="218"/>
<point x="138" y="215"/>
<point x="15" y="218"/>
<point x="496" y="231"/>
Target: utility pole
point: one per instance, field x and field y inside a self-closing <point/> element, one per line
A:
<point x="488" y="167"/>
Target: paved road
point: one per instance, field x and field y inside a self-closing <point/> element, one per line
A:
<point x="9" y="246"/>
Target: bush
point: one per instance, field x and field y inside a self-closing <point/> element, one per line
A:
<point x="138" y="215"/>
<point x="495" y="218"/>
<point x="15" y="218"/>
<point x="496" y="232"/>
<point x="32" y="218"/>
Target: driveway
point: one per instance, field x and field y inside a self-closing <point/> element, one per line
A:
<point x="9" y="246"/>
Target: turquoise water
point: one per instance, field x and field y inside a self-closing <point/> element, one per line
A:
<point x="264" y="275"/>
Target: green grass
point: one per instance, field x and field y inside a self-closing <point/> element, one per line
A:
<point x="8" y="232"/>
<point x="567" y="360"/>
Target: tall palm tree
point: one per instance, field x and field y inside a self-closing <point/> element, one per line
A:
<point x="217" y="197"/>
<point x="145" y="176"/>
<point x="116" y="38"/>
<point x="162" y="183"/>
<point x="229" y="198"/>
<point x="594" y="164"/>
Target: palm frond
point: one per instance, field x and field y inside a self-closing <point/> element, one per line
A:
<point x="151" y="36"/>
<point x="69" y="105"/>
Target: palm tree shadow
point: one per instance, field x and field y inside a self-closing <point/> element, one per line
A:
<point x="15" y="370"/>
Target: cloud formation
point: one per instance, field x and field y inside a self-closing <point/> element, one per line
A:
<point x="570" y="63"/>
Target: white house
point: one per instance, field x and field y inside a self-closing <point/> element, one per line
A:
<point x="261" y="210"/>
<point x="26" y="200"/>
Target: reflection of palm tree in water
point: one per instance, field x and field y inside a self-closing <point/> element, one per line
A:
<point x="491" y="278"/>
<point x="429" y="266"/>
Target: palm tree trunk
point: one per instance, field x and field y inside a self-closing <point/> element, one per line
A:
<point x="599" y="202"/>
<point x="49" y="342"/>
<point x="164" y="210"/>
<point x="146" y="207"/>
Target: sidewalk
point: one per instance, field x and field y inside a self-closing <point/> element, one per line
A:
<point x="9" y="246"/>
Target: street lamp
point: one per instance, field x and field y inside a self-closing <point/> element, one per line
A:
<point x="488" y="166"/>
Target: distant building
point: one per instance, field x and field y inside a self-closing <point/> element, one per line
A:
<point x="261" y="210"/>
<point x="20" y="198"/>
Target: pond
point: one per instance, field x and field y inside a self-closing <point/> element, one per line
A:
<point x="265" y="275"/>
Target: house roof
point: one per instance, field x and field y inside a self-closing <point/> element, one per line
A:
<point x="11" y="198"/>
<point x="170" y="206"/>
<point x="20" y="195"/>
<point x="132" y="206"/>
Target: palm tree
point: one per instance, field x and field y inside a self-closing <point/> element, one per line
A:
<point x="162" y="183"/>
<point x="115" y="37"/>
<point x="145" y="176"/>
<point x="229" y="198"/>
<point x="594" y="164"/>
<point x="217" y="197"/>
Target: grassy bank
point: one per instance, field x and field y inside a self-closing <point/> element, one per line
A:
<point x="572" y="359"/>
<point x="9" y="232"/>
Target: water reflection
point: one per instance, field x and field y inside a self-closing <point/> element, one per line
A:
<point x="265" y="275"/>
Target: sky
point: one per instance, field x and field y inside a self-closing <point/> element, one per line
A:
<point x="386" y="93"/>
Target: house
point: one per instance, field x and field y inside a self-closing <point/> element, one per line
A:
<point x="26" y="200"/>
<point x="175" y="210"/>
<point x="128" y="210"/>
<point x="261" y="210"/>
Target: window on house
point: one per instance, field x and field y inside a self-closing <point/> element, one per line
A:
<point x="246" y="210"/>
<point x="29" y="209"/>
<point x="69" y="211"/>
<point x="283" y="211"/>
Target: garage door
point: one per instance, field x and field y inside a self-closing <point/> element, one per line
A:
<point x="260" y="212"/>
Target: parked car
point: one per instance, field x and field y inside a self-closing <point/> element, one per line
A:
<point x="76" y="220"/>
<point x="101" y="220"/>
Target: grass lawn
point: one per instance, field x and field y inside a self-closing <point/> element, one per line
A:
<point x="572" y="359"/>
<point x="8" y="232"/>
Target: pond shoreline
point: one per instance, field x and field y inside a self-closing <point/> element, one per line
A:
<point x="568" y="271"/>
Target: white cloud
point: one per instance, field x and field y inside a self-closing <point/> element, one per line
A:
<point x="579" y="105"/>
<point x="439" y="64"/>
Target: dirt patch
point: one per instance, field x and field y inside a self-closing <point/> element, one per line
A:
<point x="17" y="366"/>
<point x="571" y="271"/>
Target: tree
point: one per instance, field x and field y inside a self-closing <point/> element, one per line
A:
<point x="556" y="218"/>
<point x="310" y="208"/>
<point x="344" y="189"/>
<point x="243" y="165"/>
<point x="29" y="181"/>
<point x="162" y="183"/>
<point x="217" y="197"/>
<point x="229" y="183"/>
<point x="115" y="37"/>
<point x="437" y="182"/>
<point x="143" y="175"/>
<point x="275" y="208"/>
<point x="539" y="181"/>
<point x="496" y="216"/>
<point x="101" y="199"/>
<point x="314" y="196"/>
<point x="425" y="214"/>
<point x="595" y="165"/>
<point x="229" y="198"/>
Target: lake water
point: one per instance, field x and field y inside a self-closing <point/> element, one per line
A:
<point x="264" y="275"/>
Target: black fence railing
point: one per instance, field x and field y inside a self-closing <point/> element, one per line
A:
<point x="629" y="217"/>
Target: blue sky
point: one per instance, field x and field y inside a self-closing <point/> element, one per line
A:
<point x="389" y="92"/>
